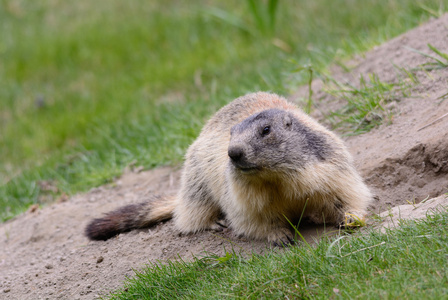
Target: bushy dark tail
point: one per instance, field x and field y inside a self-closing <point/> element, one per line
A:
<point x="130" y="217"/>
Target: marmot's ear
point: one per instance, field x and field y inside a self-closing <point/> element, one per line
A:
<point x="287" y="121"/>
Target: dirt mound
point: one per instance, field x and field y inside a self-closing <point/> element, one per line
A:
<point x="421" y="173"/>
<point x="393" y="217"/>
<point x="45" y="254"/>
<point x="406" y="160"/>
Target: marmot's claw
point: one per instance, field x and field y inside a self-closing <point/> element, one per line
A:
<point x="217" y="227"/>
<point x="222" y="224"/>
<point x="291" y="240"/>
<point x="283" y="242"/>
<point x="281" y="238"/>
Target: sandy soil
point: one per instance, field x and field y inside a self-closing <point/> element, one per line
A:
<point x="44" y="254"/>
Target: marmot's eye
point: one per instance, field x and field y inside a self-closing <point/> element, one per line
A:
<point x="266" y="130"/>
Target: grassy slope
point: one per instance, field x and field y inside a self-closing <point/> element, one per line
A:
<point x="407" y="263"/>
<point x="88" y="87"/>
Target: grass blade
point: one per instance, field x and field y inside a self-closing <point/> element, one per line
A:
<point x="272" y="10"/>
<point x="441" y="54"/>
<point x="256" y="14"/>
<point x="426" y="55"/>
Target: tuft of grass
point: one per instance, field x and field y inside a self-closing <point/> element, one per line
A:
<point x="438" y="62"/>
<point x="407" y="262"/>
<point x="366" y="103"/>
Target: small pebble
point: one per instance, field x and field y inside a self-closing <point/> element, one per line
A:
<point x="99" y="260"/>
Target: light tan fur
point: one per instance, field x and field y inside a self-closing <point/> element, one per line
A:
<point x="325" y="188"/>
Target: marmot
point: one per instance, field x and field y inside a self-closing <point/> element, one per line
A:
<point x="259" y="163"/>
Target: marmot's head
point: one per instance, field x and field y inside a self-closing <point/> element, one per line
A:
<point x="274" y="140"/>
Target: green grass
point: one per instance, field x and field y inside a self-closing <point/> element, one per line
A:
<point x="405" y="263"/>
<point x="367" y="103"/>
<point x="439" y="59"/>
<point x="87" y="88"/>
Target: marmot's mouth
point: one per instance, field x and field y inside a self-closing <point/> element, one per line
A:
<point x="247" y="169"/>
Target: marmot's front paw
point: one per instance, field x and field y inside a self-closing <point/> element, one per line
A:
<point x="281" y="237"/>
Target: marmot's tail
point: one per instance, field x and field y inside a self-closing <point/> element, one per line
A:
<point x="130" y="217"/>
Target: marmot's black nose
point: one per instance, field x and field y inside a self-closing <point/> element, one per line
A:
<point x="236" y="153"/>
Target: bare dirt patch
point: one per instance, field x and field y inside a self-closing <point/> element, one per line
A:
<point x="44" y="253"/>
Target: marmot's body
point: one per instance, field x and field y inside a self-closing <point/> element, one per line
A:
<point x="259" y="162"/>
